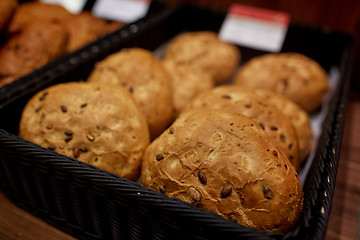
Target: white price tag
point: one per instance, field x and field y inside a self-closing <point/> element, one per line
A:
<point x="121" y="10"/>
<point x="255" y="27"/>
<point x="73" y="6"/>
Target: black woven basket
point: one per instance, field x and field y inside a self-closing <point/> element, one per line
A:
<point x="89" y="203"/>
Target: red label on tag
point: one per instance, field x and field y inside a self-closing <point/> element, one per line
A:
<point x="260" y="13"/>
<point x="256" y="28"/>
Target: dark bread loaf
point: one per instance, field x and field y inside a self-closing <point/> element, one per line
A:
<point x="84" y="28"/>
<point x="81" y="28"/>
<point x="37" y="44"/>
<point x="224" y="162"/>
<point x="29" y="12"/>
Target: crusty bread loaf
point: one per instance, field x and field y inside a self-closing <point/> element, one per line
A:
<point x="293" y="75"/>
<point x="97" y="124"/>
<point x="187" y="82"/>
<point x="40" y="32"/>
<point x="299" y="118"/>
<point x="224" y="162"/>
<point x="84" y="28"/>
<point x="245" y="101"/>
<point x="29" y="12"/>
<point x="205" y="50"/>
<point x="144" y="76"/>
<point x="37" y="44"/>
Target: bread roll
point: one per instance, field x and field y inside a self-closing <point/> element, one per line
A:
<point x="299" y="118"/>
<point x="245" y="101"/>
<point x="38" y="44"/>
<point x="143" y="75"/>
<point x="187" y="82"/>
<point x="29" y="12"/>
<point x="225" y="163"/>
<point x="293" y="75"/>
<point x="205" y="50"/>
<point x="97" y="124"/>
<point x="84" y="28"/>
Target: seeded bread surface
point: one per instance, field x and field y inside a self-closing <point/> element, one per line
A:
<point x="293" y="75"/>
<point x="299" y="118"/>
<point x="224" y="162"/>
<point x="97" y="124"/>
<point x="145" y="78"/>
<point x="205" y="50"/>
<point x="267" y="116"/>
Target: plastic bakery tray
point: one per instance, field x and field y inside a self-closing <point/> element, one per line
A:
<point x="89" y="203"/>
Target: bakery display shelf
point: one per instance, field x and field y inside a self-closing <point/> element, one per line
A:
<point x="90" y="203"/>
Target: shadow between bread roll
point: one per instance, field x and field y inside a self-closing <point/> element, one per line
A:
<point x="97" y="124"/>
<point x="225" y="163"/>
<point x="7" y="8"/>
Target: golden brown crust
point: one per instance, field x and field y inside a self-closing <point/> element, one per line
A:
<point x="187" y="82"/>
<point x="245" y="101"/>
<point x="293" y="75"/>
<point x="205" y="50"/>
<point x="84" y="28"/>
<point x="7" y="8"/>
<point x="97" y="124"/>
<point x="30" y="12"/>
<point x="144" y="76"/>
<point x="227" y="165"/>
<point x="38" y="44"/>
<point x="299" y="118"/>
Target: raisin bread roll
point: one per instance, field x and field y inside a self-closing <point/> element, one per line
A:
<point x="143" y="75"/>
<point x="245" y="101"/>
<point x="225" y="163"/>
<point x="97" y="124"/>
<point x="293" y="75"/>
<point x="205" y="50"/>
<point x="299" y="118"/>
